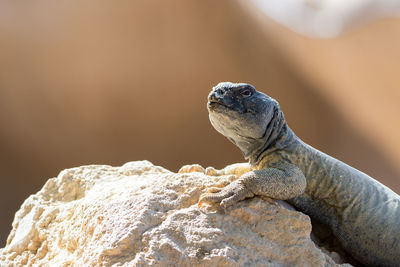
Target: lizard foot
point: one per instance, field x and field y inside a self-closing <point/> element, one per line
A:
<point x="227" y="196"/>
<point x="192" y="168"/>
<point x="211" y="171"/>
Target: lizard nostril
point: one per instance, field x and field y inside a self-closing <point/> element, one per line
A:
<point x="219" y="92"/>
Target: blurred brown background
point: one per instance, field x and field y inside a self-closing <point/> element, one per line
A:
<point x="112" y="82"/>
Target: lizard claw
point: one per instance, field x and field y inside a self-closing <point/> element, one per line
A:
<point x="211" y="171"/>
<point x="227" y="196"/>
<point x="210" y="191"/>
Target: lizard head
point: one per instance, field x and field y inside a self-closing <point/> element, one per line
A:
<point x="244" y="115"/>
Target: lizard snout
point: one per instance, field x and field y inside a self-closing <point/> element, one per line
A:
<point x="213" y="97"/>
<point x="216" y="95"/>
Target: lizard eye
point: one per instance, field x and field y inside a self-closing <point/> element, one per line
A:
<point x="246" y="93"/>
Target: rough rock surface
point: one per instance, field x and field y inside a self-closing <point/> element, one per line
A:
<point x="140" y="214"/>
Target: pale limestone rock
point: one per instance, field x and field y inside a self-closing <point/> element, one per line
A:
<point x="140" y="215"/>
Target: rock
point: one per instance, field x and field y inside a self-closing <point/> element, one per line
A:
<point x="140" y="214"/>
<point x="328" y="18"/>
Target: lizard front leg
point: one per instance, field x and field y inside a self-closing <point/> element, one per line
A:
<point x="283" y="182"/>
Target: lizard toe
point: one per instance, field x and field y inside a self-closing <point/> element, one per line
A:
<point x="236" y="197"/>
<point x="213" y="197"/>
<point x="211" y="171"/>
<point x="191" y="168"/>
<point x="214" y="189"/>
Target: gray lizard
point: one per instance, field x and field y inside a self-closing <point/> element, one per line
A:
<point x="363" y="214"/>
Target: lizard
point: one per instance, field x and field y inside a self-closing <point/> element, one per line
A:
<point x="363" y="214"/>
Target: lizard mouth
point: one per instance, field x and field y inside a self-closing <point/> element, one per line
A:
<point x="212" y="105"/>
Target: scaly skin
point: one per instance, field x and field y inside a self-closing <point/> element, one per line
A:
<point x="363" y="214"/>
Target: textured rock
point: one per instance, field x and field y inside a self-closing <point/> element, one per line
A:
<point x="140" y="214"/>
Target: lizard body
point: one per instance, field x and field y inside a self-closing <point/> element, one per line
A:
<point x="363" y="214"/>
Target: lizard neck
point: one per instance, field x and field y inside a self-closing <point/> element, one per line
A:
<point x="278" y="136"/>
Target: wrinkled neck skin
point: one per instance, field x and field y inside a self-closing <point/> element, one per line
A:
<point x="277" y="136"/>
